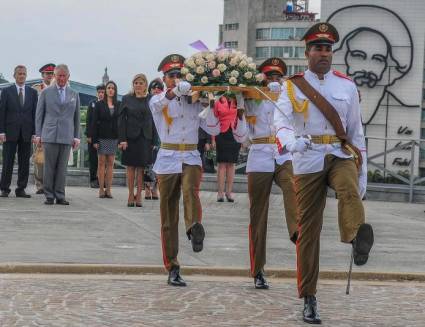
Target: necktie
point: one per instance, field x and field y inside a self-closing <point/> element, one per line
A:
<point x="62" y="94"/>
<point x="21" y="97"/>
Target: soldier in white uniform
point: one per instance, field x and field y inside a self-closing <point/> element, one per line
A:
<point x="266" y="163"/>
<point x="178" y="164"/>
<point x="326" y="152"/>
<point x="38" y="156"/>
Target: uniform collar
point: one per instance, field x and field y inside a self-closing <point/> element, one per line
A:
<point x="312" y="75"/>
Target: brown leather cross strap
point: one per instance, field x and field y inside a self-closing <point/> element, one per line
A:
<point x="330" y="114"/>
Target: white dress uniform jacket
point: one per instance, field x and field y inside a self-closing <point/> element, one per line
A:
<point x="182" y="130"/>
<point x="262" y="157"/>
<point x="342" y="94"/>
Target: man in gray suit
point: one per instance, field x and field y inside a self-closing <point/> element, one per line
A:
<point x="58" y="129"/>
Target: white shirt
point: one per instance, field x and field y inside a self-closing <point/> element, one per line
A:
<point x="182" y="130"/>
<point x="262" y="157"/>
<point x="342" y="94"/>
<point x="18" y="88"/>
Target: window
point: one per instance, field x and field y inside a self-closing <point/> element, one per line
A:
<point x="262" y="52"/>
<point x="299" y="68"/>
<point x="231" y="27"/>
<point x="231" y="44"/>
<point x="263" y="33"/>
<point x="423" y="114"/>
<point x="282" y="33"/>
<point x="299" y="52"/>
<point x="299" y="32"/>
<point x="282" y="52"/>
<point x="290" y="70"/>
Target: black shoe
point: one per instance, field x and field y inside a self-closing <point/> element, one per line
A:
<point x="49" y="201"/>
<point x="4" y="194"/>
<point x="310" y="312"/>
<point x="362" y="244"/>
<point x="22" y="194"/>
<point x="94" y="184"/>
<point x="196" y="235"/>
<point x="40" y="191"/>
<point x="174" y="278"/>
<point x="229" y="198"/>
<point x="62" y="202"/>
<point x="260" y="281"/>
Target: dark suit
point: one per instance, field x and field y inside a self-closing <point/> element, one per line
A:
<point x="91" y="150"/>
<point x="18" y="124"/>
<point x="135" y="118"/>
<point x="104" y="125"/>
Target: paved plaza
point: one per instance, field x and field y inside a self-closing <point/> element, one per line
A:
<point x="106" y="232"/>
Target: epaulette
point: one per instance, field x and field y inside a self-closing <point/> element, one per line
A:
<point x="339" y="74"/>
<point x="300" y="74"/>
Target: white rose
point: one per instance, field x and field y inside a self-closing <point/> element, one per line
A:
<point x="222" y="67"/>
<point x="233" y="62"/>
<point x="210" y="57"/>
<point x="211" y="64"/>
<point x="200" y="70"/>
<point x="234" y="73"/>
<point x="249" y="60"/>
<point x="204" y="80"/>
<point x="259" y="77"/>
<point x="252" y="65"/>
<point x="198" y="55"/>
<point x="233" y="80"/>
<point x="184" y="70"/>
<point x="200" y="61"/>
<point x="190" y="63"/>
<point x="189" y="77"/>
<point x="248" y="75"/>
<point x="243" y="64"/>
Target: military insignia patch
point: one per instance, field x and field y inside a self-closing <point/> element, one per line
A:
<point x="323" y="28"/>
<point x="174" y="58"/>
<point x="275" y="62"/>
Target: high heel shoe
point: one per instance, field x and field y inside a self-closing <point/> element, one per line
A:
<point x="229" y="198"/>
<point x="102" y="193"/>
<point x="220" y="198"/>
<point x="108" y="195"/>
<point x="130" y="203"/>
<point x="138" y="203"/>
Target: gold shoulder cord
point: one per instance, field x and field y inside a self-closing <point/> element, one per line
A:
<point x="299" y="108"/>
<point x="167" y="118"/>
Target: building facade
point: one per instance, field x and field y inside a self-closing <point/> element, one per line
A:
<point x="268" y="28"/>
<point x="382" y="48"/>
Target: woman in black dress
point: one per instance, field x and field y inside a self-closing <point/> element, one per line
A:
<point x="104" y="133"/>
<point x="136" y="134"/>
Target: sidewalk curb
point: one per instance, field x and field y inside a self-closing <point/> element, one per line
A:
<point x="87" y="269"/>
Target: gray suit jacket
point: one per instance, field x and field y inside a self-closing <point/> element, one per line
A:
<point x="56" y="122"/>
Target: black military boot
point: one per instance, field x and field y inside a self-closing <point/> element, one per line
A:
<point x="362" y="244"/>
<point x="310" y="312"/>
<point x="174" y="278"/>
<point x="196" y="235"/>
<point x="260" y="281"/>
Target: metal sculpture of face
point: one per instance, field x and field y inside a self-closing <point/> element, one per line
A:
<point x="366" y="65"/>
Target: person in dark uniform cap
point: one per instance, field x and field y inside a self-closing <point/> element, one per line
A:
<point x="38" y="154"/>
<point x="178" y="163"/>
<point x="335" y="156"/>
<point x="93" y="162"/>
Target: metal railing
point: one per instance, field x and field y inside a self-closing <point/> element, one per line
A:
<point x="407" y="177"/>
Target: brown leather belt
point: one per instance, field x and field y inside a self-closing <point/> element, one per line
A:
<point x="325" y="139"/>
<point x="264" y="140"/>
<point x="179" y="147"/>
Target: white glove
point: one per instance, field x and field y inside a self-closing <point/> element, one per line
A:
<point x="298" y="145"/>
<point x="240" y="101"/>
<point x="182" y="88"/>
<point x="274" y="87"/>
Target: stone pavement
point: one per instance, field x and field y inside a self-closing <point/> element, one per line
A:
<point x="102" y="231"/>
<point x="100" y="301"/>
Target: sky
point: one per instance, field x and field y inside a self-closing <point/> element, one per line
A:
<point x="127" y="36"/>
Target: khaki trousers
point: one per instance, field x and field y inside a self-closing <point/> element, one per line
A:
<point x="259" y="188"/>
<point x="170" y="186"/>
<point x="311" y="189"/>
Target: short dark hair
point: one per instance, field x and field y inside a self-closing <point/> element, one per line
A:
<point x="100" y="87"/>
<point x="156" y="83"/>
